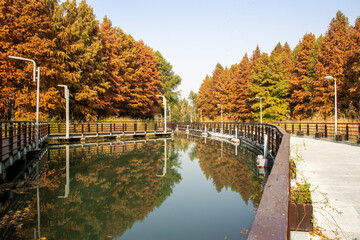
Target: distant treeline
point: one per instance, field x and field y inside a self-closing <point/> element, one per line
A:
<point x="290" y="82"/>
<point x="108" y="73"/>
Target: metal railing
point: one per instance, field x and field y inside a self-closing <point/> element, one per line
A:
<point x="272" y="217"/>
<point x="17" y="138"/>
<point x="251" y="131"/>
<point x="347" y="131"/>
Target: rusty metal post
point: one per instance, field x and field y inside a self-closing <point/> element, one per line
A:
<point x="25" y="134"/>
<point x="11" y="138"/>
<point x="19" y="137"/>
<point x="1" y="143"/>
<point x="325" y="130"/>
<point x="308" y="129"/>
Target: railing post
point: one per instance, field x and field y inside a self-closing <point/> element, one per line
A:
<point x="11" y="139"/>
<point x="325" y="130"/>
<point x="110" y="128"/>
<point x="308" y="129"/>
<point x="25" y="134"/>
<point x="252" y="132"/>
<point x="292" y="128"/>
<point x="29" y="133"/>
<point x="317" y="128"/>
<point x="1" y="143"/>
<point x="97" y="128"/>
<point x="347" y="133"/>
<point x="135" y="127"/>
<point x="102" y="127"/>
<point x="19" y="137"/>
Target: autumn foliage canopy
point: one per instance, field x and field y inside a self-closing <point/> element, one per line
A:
<point x="289" y="82"/>
<point x="108" y="73"/>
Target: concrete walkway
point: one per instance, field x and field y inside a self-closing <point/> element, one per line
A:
<point x="333" y="170"/>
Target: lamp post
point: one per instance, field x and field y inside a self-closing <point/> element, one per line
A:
<point x="66" y="90"/>
<point x="200" y="114"/>
<point x="164" y="102"/>
<point x="222" y="122"/>
<point x="36" y="76"/>
<point x="260" y="109"/>
<point x="332" y="78"/>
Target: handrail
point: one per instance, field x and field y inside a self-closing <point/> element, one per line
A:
<point x="345" y="131"/>
<point x="17" y="138"/>
<point x="58" y="129"/>
<point x="272" y="217"/>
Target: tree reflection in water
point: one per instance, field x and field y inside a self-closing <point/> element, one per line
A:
<point x="112" y="187"/>
<point x="228" y="165"/>
<point x="115" y="185"/>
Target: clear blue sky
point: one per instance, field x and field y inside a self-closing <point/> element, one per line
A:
<point x="194" y="35"/>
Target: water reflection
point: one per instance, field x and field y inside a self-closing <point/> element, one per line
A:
<point x="67" y="169"/>
<point x="227" y="166"/>
<point x="115" y="186"/>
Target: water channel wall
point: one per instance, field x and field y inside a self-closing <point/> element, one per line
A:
<point x="272" y="217"/>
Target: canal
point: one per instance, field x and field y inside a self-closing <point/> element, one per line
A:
<point x="185" y="187"/>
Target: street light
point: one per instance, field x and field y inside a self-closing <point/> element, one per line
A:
<point x="37" y="93"/>
<point x="260" y="108"/>
<point x="200" y="114"/>
<point x="222" y="122"/>
<point x="66" y="90"/>
<point x="332" y="78"/>
<point x="164" y="102"/>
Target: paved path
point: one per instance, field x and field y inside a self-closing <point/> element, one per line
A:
<point x="332" y="169"/>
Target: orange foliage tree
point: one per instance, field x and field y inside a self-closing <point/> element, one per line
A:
<point x="331" y="61"/>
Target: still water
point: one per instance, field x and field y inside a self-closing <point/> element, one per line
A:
<point x="180" y="188"/>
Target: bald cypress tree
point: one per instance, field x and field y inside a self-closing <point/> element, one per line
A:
<point x="26" y="31"/>
<point x="352" y="79"/>
<point x="331" y="61"/>
<point x="204" y="96"/>
<point x="81" y="61"/>
<point x="300" y="89"/>
<point x="269" y="80"/>
<point x="240" y="102"/>
<point x="116" y="47"/>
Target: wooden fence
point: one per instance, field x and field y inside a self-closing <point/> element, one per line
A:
<point x="100" y="128"/>
<point x="17" y="138"/>
<point x="345" y="131"/>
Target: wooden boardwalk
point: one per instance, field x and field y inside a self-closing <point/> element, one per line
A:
<point x="106" y="129"/>
<point x="17" y="139"/>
